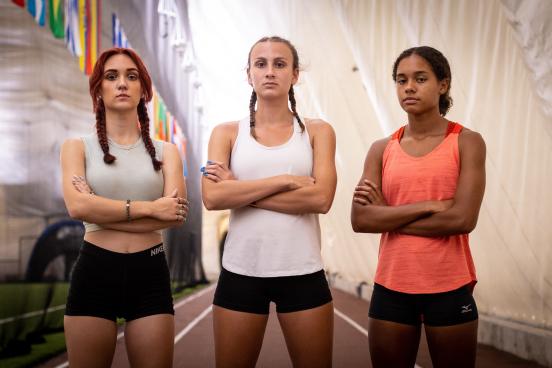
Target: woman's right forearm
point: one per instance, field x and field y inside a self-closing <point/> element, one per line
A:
<point x="229" y="194"/>
<point x="381" y="219"/>
<point x="100" y="210"/>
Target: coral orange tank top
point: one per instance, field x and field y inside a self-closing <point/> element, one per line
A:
<point x="418" y="264"/>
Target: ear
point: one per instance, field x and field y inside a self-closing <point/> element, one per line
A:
<point x="295" y="77"/>
<point x="249" y="78"/>
<point x="444" y="86"/>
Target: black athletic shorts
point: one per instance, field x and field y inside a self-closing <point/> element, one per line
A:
<point x="439" y="309"/>
<point x="115" y="285"/>
<point x="254" y="294"/>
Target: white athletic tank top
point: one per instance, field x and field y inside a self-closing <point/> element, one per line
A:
<point x="265" y="243"/>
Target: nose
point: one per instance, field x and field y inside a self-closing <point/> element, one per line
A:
<point x="270" y="71"/>
<point x="121" y="83"/>
<point x="409" y="87"/>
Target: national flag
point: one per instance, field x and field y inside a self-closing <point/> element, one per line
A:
<point x="57" y="22"/>
<point x="81" y="14"/>
<point x="119" y="38"/>
<point x="93" y="34"/>
<point x="72" y="38"/>
<point x="37" y="8"/>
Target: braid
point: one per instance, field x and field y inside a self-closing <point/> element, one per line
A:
<point x="144" y="129"/>
<point x="252" y="114"/>
<point x="293" y="103"/>
<point x="102" y="134"/>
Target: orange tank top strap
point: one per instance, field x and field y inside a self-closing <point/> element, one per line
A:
<point x="452" y="128"/>
<point x="398" y="134"/>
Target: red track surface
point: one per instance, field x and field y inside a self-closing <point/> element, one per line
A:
<point x="195" y="348"/>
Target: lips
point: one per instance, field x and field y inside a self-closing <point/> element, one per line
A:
<point x="123" y="95"/>
<point x="410" y="100"/>
<point x="270" y="84"/>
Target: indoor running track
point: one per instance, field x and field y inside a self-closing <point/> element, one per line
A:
<point x="194" y="339"/>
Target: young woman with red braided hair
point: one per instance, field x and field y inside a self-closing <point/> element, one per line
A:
<point x="126" y="188"/>
<point x="422" y="189"/>
<point x="276" y="172"/>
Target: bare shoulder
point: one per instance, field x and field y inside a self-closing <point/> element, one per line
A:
<point x="72" y="146"/>
<point x="471" y="139"/>
<point x="379" y="146"/>
<point x="170" y="148"/>
<point x="319" y="126"/>
<point x="227" y="129"/>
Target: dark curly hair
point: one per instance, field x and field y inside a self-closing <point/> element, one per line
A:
<point x="440" y="66"/>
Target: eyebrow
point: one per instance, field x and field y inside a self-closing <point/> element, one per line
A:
<point x="115" y="70"/>
<point x="415" y="73"/>
<point x="276" y="58"/>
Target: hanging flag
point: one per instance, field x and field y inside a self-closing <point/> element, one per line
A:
<point x="119" y="38"/>
<point x="161" y="117"/>
<point x="20" y="3"/>
<point x="37" y="8"/>
<point x="94" y="35"/>
<point x="81" y="11"/>
<point x="57" y="23"/>
<point x="72" y="38"/>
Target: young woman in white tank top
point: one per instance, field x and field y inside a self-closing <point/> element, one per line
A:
<point x="125" y="188"/>
<point x="276" y="172"/>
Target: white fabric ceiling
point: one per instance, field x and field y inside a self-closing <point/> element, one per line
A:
<point x="495" y="86"/>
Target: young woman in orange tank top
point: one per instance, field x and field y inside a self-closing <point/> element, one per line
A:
<point x="422" y="190"/>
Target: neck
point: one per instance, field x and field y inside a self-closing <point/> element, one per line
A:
<point x="122" y="126"/>
<point x="430" y="122"/>
<point x="273" y="112"/>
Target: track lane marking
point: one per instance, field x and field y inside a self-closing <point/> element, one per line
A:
<point x="176" y="306"/>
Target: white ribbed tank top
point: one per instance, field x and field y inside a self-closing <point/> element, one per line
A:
<point x="265" y="243"/>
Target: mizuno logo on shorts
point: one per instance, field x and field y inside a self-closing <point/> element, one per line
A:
<point x="156" y="251"/>
<point x="466" y="308"/>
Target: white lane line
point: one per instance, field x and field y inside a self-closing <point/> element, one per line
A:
<point x="194" y="296"/>
<point x="192" y="324"/>
<point x="32" y="314"/>
<point x="184" y="301"/>
<point x="358" y="327"/>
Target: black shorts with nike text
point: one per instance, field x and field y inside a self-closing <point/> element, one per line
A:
<point x="439" y="309"/>
<point x="115" y="285"/>
<point x="254" y="294"/>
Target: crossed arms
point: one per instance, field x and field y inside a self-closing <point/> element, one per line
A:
<point x="167" y="211"/>
<point x="284" y="193"/>
<point x="371" y="214"/>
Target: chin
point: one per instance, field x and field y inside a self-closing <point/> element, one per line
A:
<point x="272" y="94"/>
<point x="121" y="107"/>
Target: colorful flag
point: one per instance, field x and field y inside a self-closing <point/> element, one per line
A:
<point x="119" y="38"/>
<point x="94" y="35"/>
<point x="72" y="39"/>
<point x="81" y="14"/>
<point x="57" y="22"/>
<point x="37" y="8"/>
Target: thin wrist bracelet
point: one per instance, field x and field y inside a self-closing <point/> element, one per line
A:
<point x="128" y="210"/>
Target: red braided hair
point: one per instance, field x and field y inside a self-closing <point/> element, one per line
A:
<point x="95" y="82"/>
